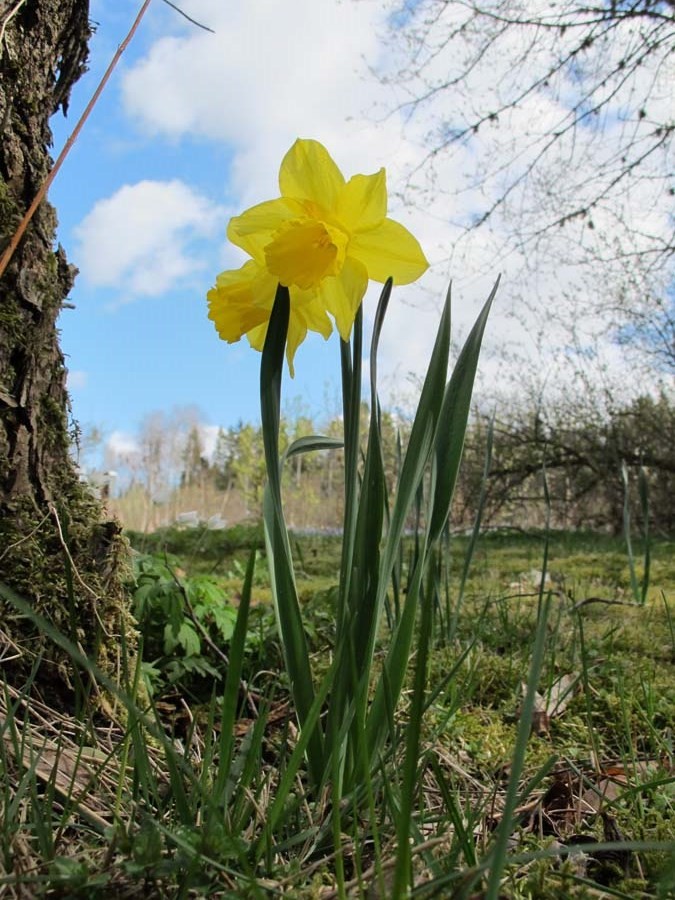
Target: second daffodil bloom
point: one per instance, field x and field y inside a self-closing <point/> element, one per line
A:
<point x="323" y="239"/>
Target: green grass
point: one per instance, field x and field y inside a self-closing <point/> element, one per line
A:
<point x="164" y="818"/>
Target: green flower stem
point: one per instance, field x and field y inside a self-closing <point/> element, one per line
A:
<point x="350" y="359"/>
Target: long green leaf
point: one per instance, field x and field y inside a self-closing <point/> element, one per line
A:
<point x="271" y="370"/>
<point x="370" y="518"/>
<point x="352" y="677"/>
<point x="284" y="591"/>
<point x="446" y="413"/>
<point x="453" y="420"/>
<point x="391" y="681"/>
<point x="627" y="533"/>
<point x="402" y="873"/>
<point x="415" y="461"/>
<point x="420" y="444"/>
<point x="643" y="490"/>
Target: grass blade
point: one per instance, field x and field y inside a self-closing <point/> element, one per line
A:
<point x="635" y="589"/>
<point x="233" y="683"/>
<point x="402" y="874"/>
<point x="498" y="855"/>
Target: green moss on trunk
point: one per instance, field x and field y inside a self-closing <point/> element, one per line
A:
<point x="56" y="548"/>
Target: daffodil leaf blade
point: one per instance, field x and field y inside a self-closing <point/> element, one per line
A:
<point x="420" y="444"/>
<point x="282" y="577"/>
<point x="394" y="670"/>
<point x="354" y="643"/>
<point x="378" y="322"/>
<point x="449" y="443"/>
<point x="351" y="366"/>
<point x="415" y="463"/>
<point x="312" y="442"/>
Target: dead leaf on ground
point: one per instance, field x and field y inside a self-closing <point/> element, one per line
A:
<point x="553" y="703"/>
<point x="575" y="798"/>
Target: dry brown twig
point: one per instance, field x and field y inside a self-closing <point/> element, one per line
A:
<point x="66" y="550"/>
<point x="8" y="18"/>
<point x="23" y="539"/>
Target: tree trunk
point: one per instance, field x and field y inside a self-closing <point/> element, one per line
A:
<point x="55" y="549"/>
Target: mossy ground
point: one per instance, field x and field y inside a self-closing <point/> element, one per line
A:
<point x="600" y="765"/>
<point x="620" y="654"/>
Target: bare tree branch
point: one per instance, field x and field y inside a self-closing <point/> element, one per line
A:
<point x="189" y="18"/>
<point x="561" y="120"/>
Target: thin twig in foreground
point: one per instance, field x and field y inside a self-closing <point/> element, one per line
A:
<point x="39" y="197"/>
<point x="8" y="18"/>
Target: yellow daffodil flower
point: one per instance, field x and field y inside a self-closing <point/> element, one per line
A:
<point x="323" y="239"/>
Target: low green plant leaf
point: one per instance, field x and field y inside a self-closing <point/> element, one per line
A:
<point x="312" y="442"/>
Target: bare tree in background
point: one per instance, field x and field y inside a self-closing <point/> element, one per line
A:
<point x="553" y="127"/>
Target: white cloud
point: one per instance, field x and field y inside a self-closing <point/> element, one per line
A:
<point x="267" y="77"/>
<point x="141" y="239"/>
<point x="77" y="379"/>
<point x="268" y="69"/>
<point x="209" y="436"/>
<point x="121" y="445"/>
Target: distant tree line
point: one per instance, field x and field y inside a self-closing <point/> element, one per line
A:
<point x="580" y="454"/>
<point x="582" y="458"/>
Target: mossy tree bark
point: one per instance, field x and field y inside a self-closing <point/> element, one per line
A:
<point x="56" y="550"/>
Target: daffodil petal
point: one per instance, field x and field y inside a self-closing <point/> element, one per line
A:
<point x="297" y="332"/>
<point x="308" y="173"/>
<point x="342" y="295"/>
<point x="306" y="314"/>
<point x="389" y="250"/>
<point x="253" y="229"/>
<point x="362" y="203"/>
<point x="240" y="301"/>
<point x="314" y="315"/>
<point x="256" y="336"/>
